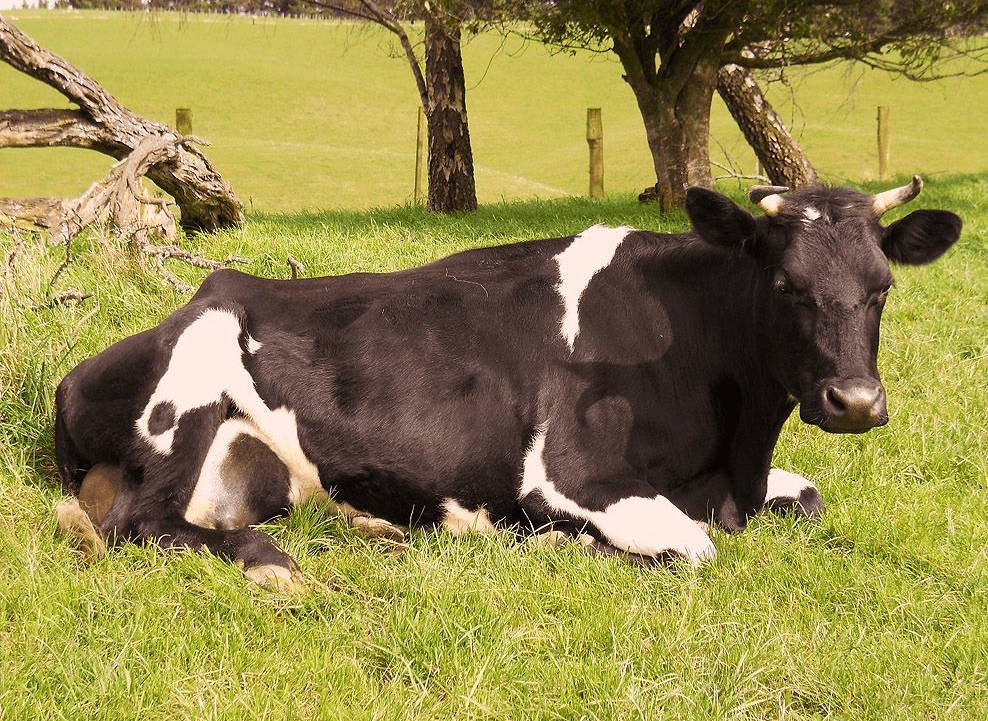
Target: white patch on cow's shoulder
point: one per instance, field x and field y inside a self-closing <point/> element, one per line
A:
<point x="205" y="366"/>
<point x="646" y="526"/>
<point x="204" y="361"/>
<point x="811" y="214"/>
<point x="785" y="485"/>
<point x="458" y="520"/>
<point x="253" y="345"/>
<point x="590" y="252"/>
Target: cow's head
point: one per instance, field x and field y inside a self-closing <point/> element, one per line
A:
<point x="825" y="259"/>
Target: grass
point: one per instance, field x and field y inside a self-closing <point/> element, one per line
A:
<point x="875" y="612"/>
<point x="306" y="115"/>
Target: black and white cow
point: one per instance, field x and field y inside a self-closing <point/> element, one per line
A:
<point x="620" y="386"/>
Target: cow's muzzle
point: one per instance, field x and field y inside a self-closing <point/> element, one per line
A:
<point x="851" y="405"/>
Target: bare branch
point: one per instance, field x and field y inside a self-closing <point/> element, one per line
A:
<point x="375" y="13"/>
<point x="102" y="123"/>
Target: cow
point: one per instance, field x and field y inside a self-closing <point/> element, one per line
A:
<point x="620" y="387"/>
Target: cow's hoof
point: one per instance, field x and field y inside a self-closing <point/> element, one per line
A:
<point x="372" y="527"/>
<point x="278" y="578"/>
<point x="790" y="492"/>
<point x="75" y="522"/>
<point x="696" y="554"/>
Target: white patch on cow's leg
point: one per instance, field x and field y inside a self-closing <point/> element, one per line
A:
<point x="787" y="490"/>
<point x="648" y="526"/>
<point x="590" y="252"/>
<point x="202" y="507"/>
<point x="457" y="519"/>
<point x="206" y="366"/>
<point x="242" y="481"/>
<point x="651" y="527"/>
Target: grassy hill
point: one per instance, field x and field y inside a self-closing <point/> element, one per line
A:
<point x="312" y="115"/>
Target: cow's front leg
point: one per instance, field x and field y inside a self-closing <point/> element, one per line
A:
<point x="255" y="552"/>
<point x="652" y="527"/>
<point x="791" y="492"/>
<point x="643" y="528"/>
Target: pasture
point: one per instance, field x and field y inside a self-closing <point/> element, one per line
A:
<point x="311" y="115"/>
<point x="874" y="612"/>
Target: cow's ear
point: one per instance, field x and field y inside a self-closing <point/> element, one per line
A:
<point x="921" y="237"/>
<point x="718" y="219"/>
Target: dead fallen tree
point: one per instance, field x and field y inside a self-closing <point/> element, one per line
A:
<point x="206" y="202"/>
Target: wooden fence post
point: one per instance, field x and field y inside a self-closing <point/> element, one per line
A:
<point x="595" y="139"/>
<point x="419" y="157"/>
<point x="183" y="120"/>
<point x="884" y="143"/>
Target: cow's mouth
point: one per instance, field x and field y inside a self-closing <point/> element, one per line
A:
<point x="851" y="405"/>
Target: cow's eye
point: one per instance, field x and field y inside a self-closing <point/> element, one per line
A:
<point x="880" y="298"/>
<point x="783" y="285"/>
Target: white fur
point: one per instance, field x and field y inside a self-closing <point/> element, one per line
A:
<point x="211" y="494"/>
<point x="206" y="364"/>
<point x="647" y="526"/>
<point x="458" y="519"/>
<point x="785" y="485"/>
<point x="590" y="252"/>
<point x="811" y="214"/>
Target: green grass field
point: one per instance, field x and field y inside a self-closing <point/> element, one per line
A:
<point x="313" y="115"/>
<point x="877" y="611"/>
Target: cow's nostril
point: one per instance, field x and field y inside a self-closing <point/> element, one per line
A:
<point x="836" y="401"/>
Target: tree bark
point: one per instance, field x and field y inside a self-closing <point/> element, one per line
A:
<point x="779" y="154"/>
<point x="207" y="202"/>
<point x="451" y="175"/>
<point x="674" y="100"/>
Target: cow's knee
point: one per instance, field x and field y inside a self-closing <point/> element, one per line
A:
<point x="791" y="492"/>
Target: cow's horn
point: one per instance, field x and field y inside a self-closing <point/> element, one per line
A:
<point x="768" y="198"/>
<point x="884" y="202"/>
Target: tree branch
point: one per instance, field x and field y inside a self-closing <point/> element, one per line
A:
<point x="372" y="12"/>
<point x="206" y="200"/>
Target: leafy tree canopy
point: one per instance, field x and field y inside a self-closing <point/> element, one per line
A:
<point x="911" y="37"/>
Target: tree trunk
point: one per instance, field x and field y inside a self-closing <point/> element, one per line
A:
<point x="678" y="132"/>
<point x="674" y="100"/>
<point x="451" y="178"/>
<point x="206" y="201"/>
<point x="781" y="157"/>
